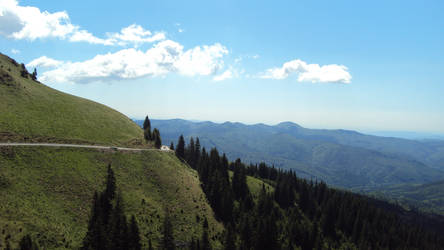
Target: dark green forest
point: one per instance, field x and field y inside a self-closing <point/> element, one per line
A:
<point x="302" y="214"/>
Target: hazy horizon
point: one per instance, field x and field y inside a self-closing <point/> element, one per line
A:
<point x="413" y="135"/>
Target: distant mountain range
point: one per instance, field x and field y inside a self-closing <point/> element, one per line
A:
<point x="342" y="158"/>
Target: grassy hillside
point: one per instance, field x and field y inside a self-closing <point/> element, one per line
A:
<point x="48" y="192"/>
<point x="31" y="111"/>
<point x="312" y="153"/>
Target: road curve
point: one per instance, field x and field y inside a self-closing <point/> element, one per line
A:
<point x="15" y="144"/>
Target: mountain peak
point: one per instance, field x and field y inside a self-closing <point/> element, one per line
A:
<point x="288" y="124"/>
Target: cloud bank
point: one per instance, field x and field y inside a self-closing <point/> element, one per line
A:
<point x="163" y="58"/>
<point x="331" y="73"/>
<point x="30" y="23"/>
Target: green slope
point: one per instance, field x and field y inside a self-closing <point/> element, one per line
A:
<point x="31" y="111"/>
<point x="48" y="192"/>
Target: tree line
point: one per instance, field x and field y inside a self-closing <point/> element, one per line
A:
<point x="294" y="213"/>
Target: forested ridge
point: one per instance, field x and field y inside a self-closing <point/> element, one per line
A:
<point x="302" y="214"/>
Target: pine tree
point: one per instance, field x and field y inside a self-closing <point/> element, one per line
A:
<point x="110" y="190"/>
<point x="94" y="238"/>
<point x="190" y="153"/>
<point x="26" y="243"/>
<point x="180" y="149"/>
<point x="197" y="151"/>
<point x="146" y="123"/>
<point x="134" y="235"/>
<point x="156" y="137"/>
<point x="147" y="129"/>
<point x="172" y="146"/>
<point x="34" y="75"/>
<point x="206" y="245"/>
<point x="23" y="71"/>
<point x="168" y="237"/>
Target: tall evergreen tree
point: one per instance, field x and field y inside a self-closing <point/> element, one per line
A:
<point x="34" y="75"/>
<point x="180" y="149"/>
<point x="168" y="237"/>
<point x="147" y="129"/>
<point x="23" y="71"/>
<point x="156" y="137"/>
<point x="172" y="146"/>
<point x="197" y="152"/>
<point x="206" y="245"/>
<point x="110" y="190"/>
<point x="26" y="243"/>
<point x="134" y="235"/>
<point x="190" y="154"/>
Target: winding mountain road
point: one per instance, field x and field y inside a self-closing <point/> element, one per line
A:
<point x="17" y="144"/>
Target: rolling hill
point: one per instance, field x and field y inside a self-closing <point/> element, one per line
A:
<point x="339" y="157"/>
<point x="31" y="111"/>
<point x="47" y="191"/>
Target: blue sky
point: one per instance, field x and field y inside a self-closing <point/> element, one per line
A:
<point x="365" y="65"/>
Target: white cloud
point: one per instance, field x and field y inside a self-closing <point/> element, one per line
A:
<point x="135" y="34"/>
<point x="228" y="74"/>
<point x="15" y="51"/>
<point x="26" y="22"/>
<point x="30" y="23"/>
<point x="85" y="36"/>
<point x="163" y="58"/>
<point x="201" y="60"/>
<point x="44" y="61"/>
<point x="310" y="72"/>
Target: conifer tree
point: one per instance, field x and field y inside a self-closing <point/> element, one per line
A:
<point x="168" y="237"/>
<point x="34" y="75"/>
<point x="156" y="137"/>
<point x="180" y="149"/>
<point x="26" y="243"/>
<point x="134" y="235"/>
<point x="197" y="151"/>
<point x="172" y="146"/>
<point x="206" y="245"/>
<point x="190" y="153"/>
<point x="147" y="129"/>
<point x="23" y="71"/>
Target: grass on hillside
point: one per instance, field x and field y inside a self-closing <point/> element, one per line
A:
<point x="47" y="192"/>
<point x="255" y="185"/>
<point x="31" y="111"/>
